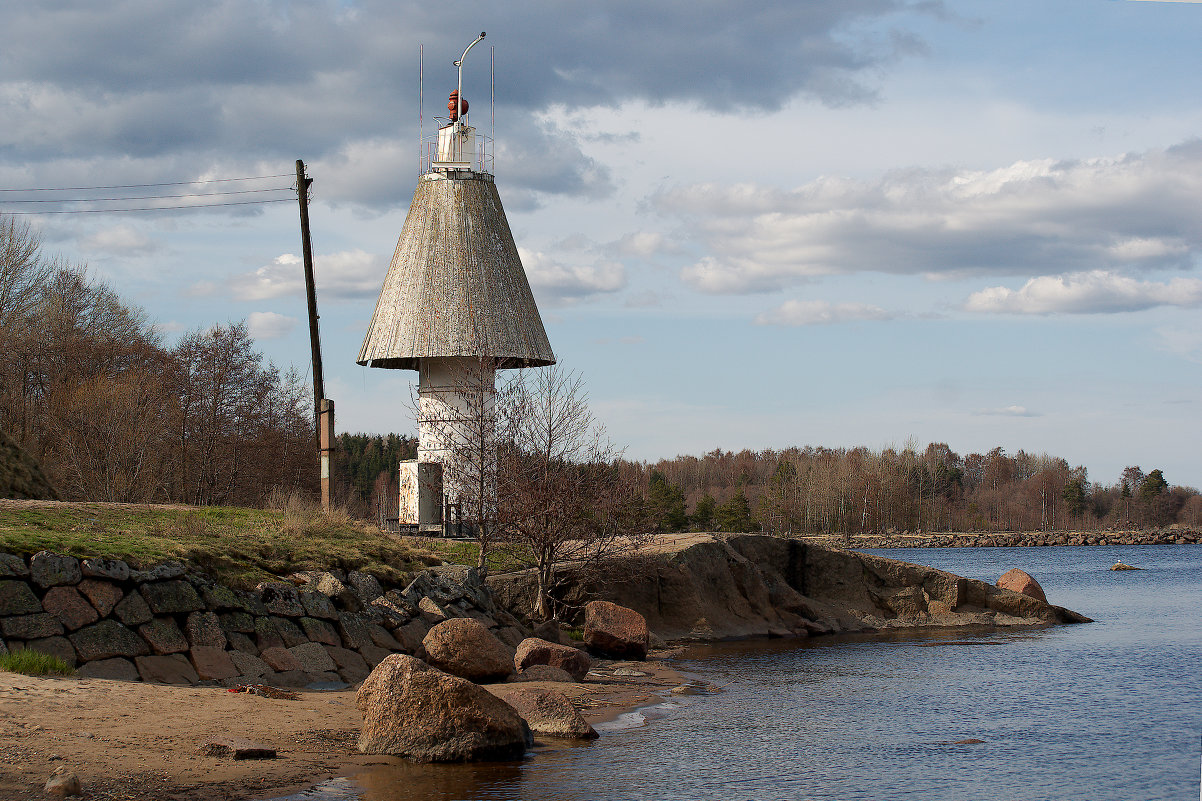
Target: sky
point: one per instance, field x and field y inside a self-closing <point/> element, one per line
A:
<point x="747" y="225"/>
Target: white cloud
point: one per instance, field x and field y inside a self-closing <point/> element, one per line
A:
<point x="170" y="327"/>
<point x="1135" y="211"/>
<point x="347" y="274"/>
<point x="269" y="325"/>
<point x="1094" y="292"/>
<point x="820" y="312"/>
<point x="641" y="243"/>
<point x="120" y="240"/>
<point x="1009" y="411"/>
<point x="566" y="283"/>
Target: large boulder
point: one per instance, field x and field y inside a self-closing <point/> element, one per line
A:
<point x="533" y="651"/>
<point x="1020" y="581"/>
<point x="413" y="710"/>
<point x="546" y="711"/>
<point x="615" y="630"/>
<point x="463" y="647"/>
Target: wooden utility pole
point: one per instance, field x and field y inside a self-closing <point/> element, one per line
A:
<point x="323" y="408"/>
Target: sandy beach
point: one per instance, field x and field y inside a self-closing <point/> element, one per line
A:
<point x="129" y="741"/>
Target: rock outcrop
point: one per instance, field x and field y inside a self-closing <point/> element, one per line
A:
<point x="464" y="648"/>
<point x="1017" y="580"/>
<point x="727" y="587"/>
<point x="413" y="710"/>
<point x="534" y="651"/>
<point x="614" y="630"/>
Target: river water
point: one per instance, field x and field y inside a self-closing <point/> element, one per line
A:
<point x="1108" y="710"/>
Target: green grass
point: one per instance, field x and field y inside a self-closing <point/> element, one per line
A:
<point x="34" y="663"/>
<point x="237" y="546"/>
<point x="501" y="558"/>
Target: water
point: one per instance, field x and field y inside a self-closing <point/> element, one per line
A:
<point x="1108" y="710"/>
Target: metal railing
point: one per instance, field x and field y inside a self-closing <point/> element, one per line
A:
<point x="481" y="158"/>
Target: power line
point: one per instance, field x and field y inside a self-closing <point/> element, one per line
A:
<point x="151" y="208"/>
<point x="141" y="186"/>
<point x="149" y="197"/>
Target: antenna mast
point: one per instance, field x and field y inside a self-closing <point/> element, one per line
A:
<point x="421" y="55"/>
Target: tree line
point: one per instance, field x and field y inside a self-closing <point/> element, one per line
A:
<point x="90" y="390"/>
<point x="857" y="490"/>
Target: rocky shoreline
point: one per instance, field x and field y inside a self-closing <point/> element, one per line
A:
<point x="132" y="632"/>
<point x="1012" y="539"/>
<point x="718" y="587"/>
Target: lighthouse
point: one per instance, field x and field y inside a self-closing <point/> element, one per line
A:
<point x="455" y="306"/>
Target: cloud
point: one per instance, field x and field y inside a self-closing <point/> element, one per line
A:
<point x="1008" y="411"/>
<point x="201" y="289"/>
<point x="540" y="157"/>
<point x="152" y="88"/>
<point x="170" y="327"/>
<point x="1131" y="212"/>
<point x="641" y="243"/>
<point x="1095" y="292"/>
<point x="820" y="312"/>
<point x="119" y="240"/>
<point x="568" y="283"/>
<point x="534" y="159"/>
<point x="349" y="274"/>
<point x="269" y="325"/>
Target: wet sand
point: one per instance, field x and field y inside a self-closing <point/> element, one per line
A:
<point x="129" y="741"/>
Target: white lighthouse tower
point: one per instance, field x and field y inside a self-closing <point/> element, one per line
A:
<point x="455" y="306"/>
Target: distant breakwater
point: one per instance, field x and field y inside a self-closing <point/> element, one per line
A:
<point x="1011" y="539"/>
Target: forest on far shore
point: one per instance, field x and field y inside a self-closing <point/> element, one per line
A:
<point x="842" y="491"/>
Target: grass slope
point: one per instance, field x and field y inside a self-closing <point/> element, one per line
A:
<point x="236" y="546"/>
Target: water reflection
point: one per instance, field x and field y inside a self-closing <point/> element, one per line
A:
<point x="405" y="780"/>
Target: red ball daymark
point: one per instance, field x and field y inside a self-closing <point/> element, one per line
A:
<point x="453" y="105"/>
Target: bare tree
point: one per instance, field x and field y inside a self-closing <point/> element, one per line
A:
<point x="562" y="498"/>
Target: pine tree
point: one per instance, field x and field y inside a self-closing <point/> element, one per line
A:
<point x="735" y="514"/>
<point x="666" y="504"/>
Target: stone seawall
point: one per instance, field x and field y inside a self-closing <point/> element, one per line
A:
<point x="725" y="587"/>
<point x="1013" y="539"/>
<point x="169" y="624"/>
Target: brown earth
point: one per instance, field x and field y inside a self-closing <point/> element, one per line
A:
<point x="132" y="741"/>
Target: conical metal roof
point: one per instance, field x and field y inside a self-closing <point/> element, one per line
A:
<point x="456" y="286"/>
